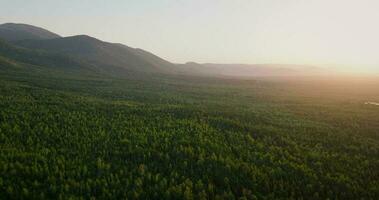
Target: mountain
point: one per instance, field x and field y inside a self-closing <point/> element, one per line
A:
<point x="249" y="70"/>
<point x="12" y="57"/>
<point x="102" y="54"/>
<point x="37" y="46"/>
<point x="14" y="32"/>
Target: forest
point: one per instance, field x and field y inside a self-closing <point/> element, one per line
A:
<point x="67" y="136"/>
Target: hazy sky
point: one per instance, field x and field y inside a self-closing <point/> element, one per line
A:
<point x="333" y="32"/>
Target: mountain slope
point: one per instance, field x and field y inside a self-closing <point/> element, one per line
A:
<point x="14" y="32"/>
<point x="11" y="56"/>
<point x="100" y="53"/>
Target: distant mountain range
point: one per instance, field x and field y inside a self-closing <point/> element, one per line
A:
<point x="250" y="70"/>
<point x="30" y="45"/>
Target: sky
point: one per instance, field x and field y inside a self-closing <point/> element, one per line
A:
<point x="340" y="34"/>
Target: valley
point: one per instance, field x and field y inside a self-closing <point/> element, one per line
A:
<point x="88" y="123"/>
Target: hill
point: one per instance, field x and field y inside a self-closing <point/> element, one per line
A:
<point x="14" y="32"/>
<point x="100" y="53"/>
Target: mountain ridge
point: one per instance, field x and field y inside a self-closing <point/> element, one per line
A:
<point x="101" y="53"/>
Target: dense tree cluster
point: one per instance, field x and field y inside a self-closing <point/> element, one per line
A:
<point x="84" y="138"/>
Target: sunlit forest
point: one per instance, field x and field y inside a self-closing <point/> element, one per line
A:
<point x="181" y="137"/>
<point x="192" y="100"/>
